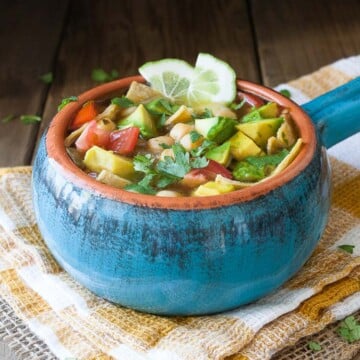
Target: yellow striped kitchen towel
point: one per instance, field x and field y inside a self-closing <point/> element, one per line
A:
<point x="60" y="319"/>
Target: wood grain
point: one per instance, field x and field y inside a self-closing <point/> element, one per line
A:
<point x="122" y="35"/>
<point x="297" y="37"/>
<point x="29" y="36"/>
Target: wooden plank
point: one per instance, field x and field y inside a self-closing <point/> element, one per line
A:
<point x="122" y="35"/>
<point x="297" y="37"/>
<point x="29" y="37"/>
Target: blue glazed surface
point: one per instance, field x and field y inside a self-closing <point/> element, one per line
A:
<point x="335" y="113"/>
<point x="181" y="262"/>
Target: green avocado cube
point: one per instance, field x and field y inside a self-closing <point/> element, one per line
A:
<point x="241" y="146"/>
<point x="141" y="119"/>
<point x="261" y="131"/>
<point x="267" y="111"/>
<point x="220" y="154"/>
<point x="217" y="129"/>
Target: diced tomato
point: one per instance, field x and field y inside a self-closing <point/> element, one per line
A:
<point x="87" y="113"/>
<point x="197" y="177"/>
<point x="217" y="168"/>
<point x="251" y="99"/>
<point x="124" y="141"/>
<point x="92" y="135"/>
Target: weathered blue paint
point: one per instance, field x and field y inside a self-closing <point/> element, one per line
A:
<point x="335" y="113"/>
<point x="179" y="261"/>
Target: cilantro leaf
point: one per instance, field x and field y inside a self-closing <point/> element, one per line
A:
<point x="164" y="180"/>
<point x="47" y="78"/>
<point x="30" y="119"/>
<point x="348" y="248"/>
<point x="194" y="136"/>
<point x="235" y="106"/>
<point x="8" y="118"/>
<point x="199" y="162"/>
<point x="203" y="148"/>
<point x="143" y="186"/>
<point x="314" y="346"/>
<point x="285" y="92"/>
<point x="143" y="163"/>
<point x="179" y="166"/>
<point x="123" y="102"/>
<point x="207" y="113"/>
<point x="66" y="101"/>
<point x="168" y="106"/>
<point x="101" y="76"/>
<point x="349" y="329"/>
<point x="165" y="146"/>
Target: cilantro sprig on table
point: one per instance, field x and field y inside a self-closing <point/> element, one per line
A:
<point x="165" y="172"/>
<point x="101" y="76"/>
<point x="25" y="119"/>
<point x="314" y="346"/>
<point x="349" y="329"/>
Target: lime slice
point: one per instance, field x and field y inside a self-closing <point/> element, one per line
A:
<point x="214" y="81"/>
<point x="171" y="77"/>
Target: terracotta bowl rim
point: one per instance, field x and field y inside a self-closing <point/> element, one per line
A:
<point x="56" y="150"/>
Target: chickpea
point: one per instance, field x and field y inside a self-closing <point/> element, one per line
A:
<point x="179" y="130"/>
<point x="154" y="144"/>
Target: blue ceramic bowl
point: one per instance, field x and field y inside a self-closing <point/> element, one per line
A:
<point x="186" y="256"/>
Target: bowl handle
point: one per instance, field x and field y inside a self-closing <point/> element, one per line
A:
<point x="336" y="114"/>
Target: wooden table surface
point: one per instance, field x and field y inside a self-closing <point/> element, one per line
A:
<point x="265" y="41"/>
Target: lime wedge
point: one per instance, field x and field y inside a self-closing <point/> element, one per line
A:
<point x="214" y="81"/>
<point x="171" y="77"/>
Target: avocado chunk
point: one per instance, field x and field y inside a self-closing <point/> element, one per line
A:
<point x="161" y="106"/>
<point x="213" y="188"/>
<point x="241" y="146"/>
<point x="97" y="159"/>
<point x="220" y="154"/>
<point x="217" y="129"/>
<point x="255" y="168"/>
<point x="141" y="119"/>
<point x="267" y="111"/>
<point x="261" y="131"/>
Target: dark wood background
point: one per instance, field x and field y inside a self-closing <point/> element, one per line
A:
<point x="265" y="41"/>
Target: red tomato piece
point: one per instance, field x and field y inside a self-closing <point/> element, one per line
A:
<point x="251" y="99"/>
<point x="217" y="168"/>
<point x="197" y="177"/>
<point x="92" y="135"/>
<point x="87" y="113"/>
<point x="124" y="141"/>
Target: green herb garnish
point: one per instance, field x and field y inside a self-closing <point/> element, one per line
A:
<point x="285" y="92"/>
<point x="123" y="102"/>
<point x="235" y="106"/>
<point x="47" y="78"/>
<point x="203" y="148"/>
<point x="101" y="76"/>
<point x="194" y="136"/>
<point x="347" y="248"/>
<point x="314" y="346"/>
<point x="8" y="118"/>
<point x="30" y="119"/>
<point x="349" y="329"/>
<point x="66" y="101"/>
<point x="179" y="166"/>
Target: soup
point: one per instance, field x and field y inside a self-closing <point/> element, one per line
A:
<point x="144" y="142"/>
